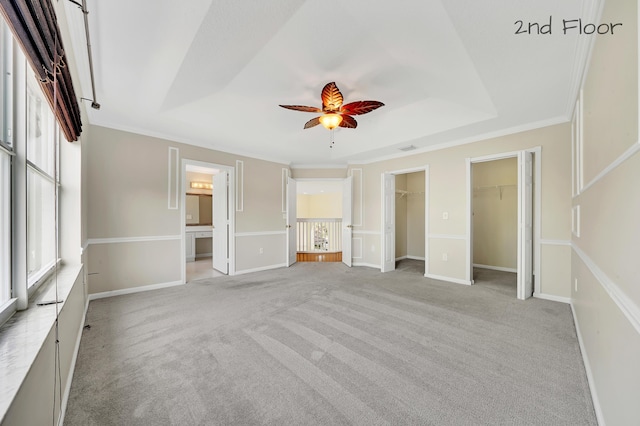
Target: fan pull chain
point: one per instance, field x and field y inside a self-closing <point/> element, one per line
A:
<point x="332" y="139"/>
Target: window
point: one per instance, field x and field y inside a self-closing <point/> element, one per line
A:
<point x="41" y="183"/>
<point x="6" y="119"/>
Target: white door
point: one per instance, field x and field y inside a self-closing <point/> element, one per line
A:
<point x="292" y="219"/>
<point x="388" y="222"/>
<point x="347" y="225"/>
<point x="220" y="222"/>
<point x="525" y="225"/>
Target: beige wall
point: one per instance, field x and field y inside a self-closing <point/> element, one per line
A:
<point x="135" y="238"/>
<point x="312" y="173"/>
<point x="324" y="206"/>
<point x="495" y="213"/>
<point x="605" y="271"/>
<point x="447" y="193"/>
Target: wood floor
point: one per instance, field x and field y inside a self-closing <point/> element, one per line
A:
<point x="319" y="257"/>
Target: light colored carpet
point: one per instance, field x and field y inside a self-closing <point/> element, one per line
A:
<point x="323" y="344"/>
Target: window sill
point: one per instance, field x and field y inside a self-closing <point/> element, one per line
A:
<point x="24" y="334"/>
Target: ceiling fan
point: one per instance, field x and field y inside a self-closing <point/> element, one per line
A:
<point x="334" y="113"/>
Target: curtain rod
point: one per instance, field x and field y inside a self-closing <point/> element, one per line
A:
<point x="83" y="8"/>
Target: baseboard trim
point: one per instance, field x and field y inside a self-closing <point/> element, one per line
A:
<point x="203" y="255"/>
<point x="415" y="257"/>
<point x="587" y="366"/>
<point x="260" y="269"/>
<point x="495" y="268"/>
<point x="72" y="366"/>
<point x="448" y="279"/>
<point x="105" y="294"/>
<point x="367" y="265"/>
<point x="552" y="297"/>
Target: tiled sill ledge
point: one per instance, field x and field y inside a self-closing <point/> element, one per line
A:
<point x="23" y="335"/>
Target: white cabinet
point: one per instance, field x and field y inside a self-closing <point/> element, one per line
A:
<point x="191" y="234"/>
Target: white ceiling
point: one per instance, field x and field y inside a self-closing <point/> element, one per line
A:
<point x="212" y="73"/>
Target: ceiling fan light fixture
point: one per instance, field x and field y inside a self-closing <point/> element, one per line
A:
<point x="330" y="121"/>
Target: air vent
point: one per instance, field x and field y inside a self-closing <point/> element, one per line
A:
<point x="407" y="148"/>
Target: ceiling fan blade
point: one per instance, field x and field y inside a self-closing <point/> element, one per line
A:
<point x="302" y="108"/>
<point x="312" y="123"/>
<point x="348" y="122"/>
<point x="331" y="97"/>
<point x="360" y="107"/>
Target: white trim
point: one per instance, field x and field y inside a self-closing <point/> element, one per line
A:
<point x="447" y="237"/>
<point x="427" y="204"/>
<point x="239" y="185"/>
<point x="262" y="268"/>
<point x="495" y="268"/>
<point x="575" y="220"/>
<point x="401" y="258"/>
<point x="366" y="232"/>
<point x="260" y="233"/>
<point x="448" y="279"/>
<point x="72" y="366"/>
<point x="84" y="247"/>
<point x="173" y="176"/>
<point x="552" y="297"/>
<point x="118" y="240"/>
<point x="624" y="303"/>
<point x="555" y="242"/>
<point x="415" y="257"/>
<point x="587" y="367"/>
<point x="131" y="290"/>
<point x="295" y="166"/>
<point x="468" y="249"/>
<point x="359" y="194"/>
<point x="367" y="265"/>
<point x="285" y="174"/>
<point x="633" y="149"/>
<point x="202" y="255"/>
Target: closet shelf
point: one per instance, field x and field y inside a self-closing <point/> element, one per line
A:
<point x="498" y="187"/>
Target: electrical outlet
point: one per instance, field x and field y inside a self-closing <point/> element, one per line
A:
<point x="445" y="215"/>
<point x="261" y="250"/>
<point x="445" y="257"/>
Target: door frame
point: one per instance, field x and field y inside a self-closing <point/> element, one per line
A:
<point x="230" y="206"/>
<point x="333" y="180"/>
<point x="537" y="184"/>
<point x="383" y="247"/>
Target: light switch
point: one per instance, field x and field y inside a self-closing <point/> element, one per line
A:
<point x="189" y="217"/>
<point x="445" y="215"/>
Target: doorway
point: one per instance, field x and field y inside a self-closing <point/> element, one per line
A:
<point x="319" y="220"/>
<point x="501" y="199"/>
<point x="495" y="224"/>
<point x="207" y="220"/>
<point x="405" y="201"/>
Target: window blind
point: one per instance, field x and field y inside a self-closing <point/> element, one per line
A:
<point x="35" y="27"/>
